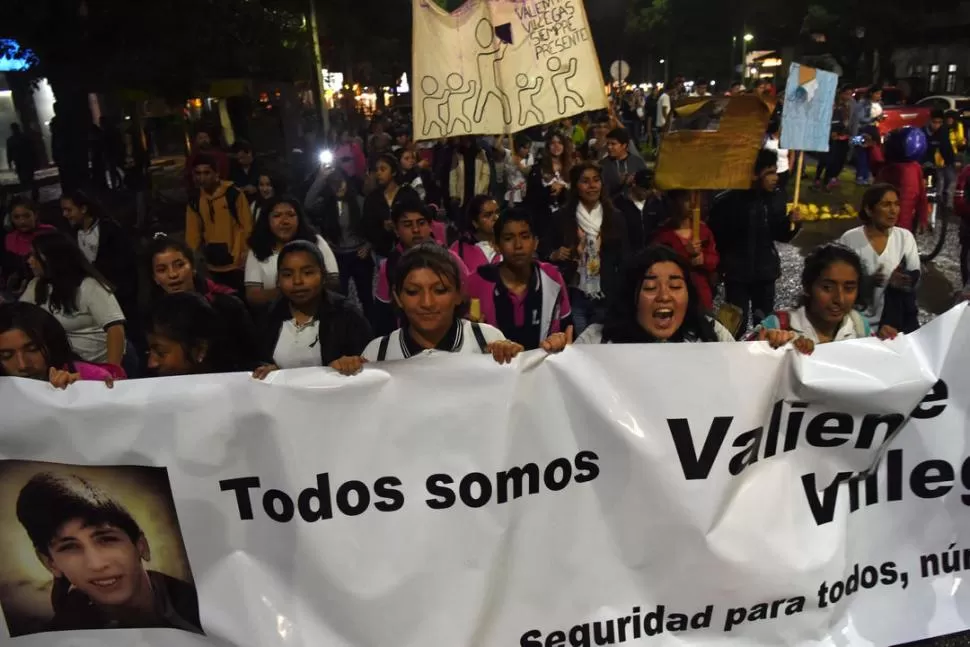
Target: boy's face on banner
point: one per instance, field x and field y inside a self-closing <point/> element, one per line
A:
<point x="101" y="561"/>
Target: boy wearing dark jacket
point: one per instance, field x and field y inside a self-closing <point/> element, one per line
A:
<point x="643" y="210"/>
<point x="746" y="225"/>
<point x="620" y="166"/>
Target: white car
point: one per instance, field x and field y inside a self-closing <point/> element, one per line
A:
<point x="947" y="102"/>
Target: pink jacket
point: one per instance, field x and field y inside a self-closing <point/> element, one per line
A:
<point x="20" y="243"/>
<point x="99" y="372"/>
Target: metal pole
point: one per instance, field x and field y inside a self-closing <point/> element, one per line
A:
<point x="318" y="70"/>
<point x="734" y="52"/>
<point x="744" y="61"/>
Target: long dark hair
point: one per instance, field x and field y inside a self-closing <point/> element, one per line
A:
<point x="567" y="152"/>
<point x="821" y="258"/>
<point x="610" y="231"/>
<point x="474" y="208"/>
<point x="263" y="242"/>
<point x="332" y="202"/>
<point x="191" y="322"/>
<point x="43" y="329"/>
<point x="162" y="243"/>
<point x="65" y="267"/>
<point x="622" y="325"/>
<point x="85" y="201"/>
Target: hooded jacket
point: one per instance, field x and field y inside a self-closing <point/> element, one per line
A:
<point x="220" y="233"/>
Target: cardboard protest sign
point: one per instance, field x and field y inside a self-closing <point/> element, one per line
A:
<point x="806" y="121"/>
<point x="712" y="143"/>
<point x="494" y="66"/>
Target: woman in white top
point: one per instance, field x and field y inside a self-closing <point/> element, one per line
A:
<point x="71" y="289"/>
<point x="284" y="222"/>
<point x="427" y="288"/>
<point x="890" y="257"/>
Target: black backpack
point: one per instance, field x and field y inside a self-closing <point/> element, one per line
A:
<point x="232" y="197"/>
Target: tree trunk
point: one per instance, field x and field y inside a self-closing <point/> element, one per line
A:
<point x="73" y="126"/>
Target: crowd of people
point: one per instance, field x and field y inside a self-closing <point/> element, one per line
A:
<point x="493" y="246"/>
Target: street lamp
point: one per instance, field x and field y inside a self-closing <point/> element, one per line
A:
<point x="663" y="62"/>
<point x="747" y="38"/>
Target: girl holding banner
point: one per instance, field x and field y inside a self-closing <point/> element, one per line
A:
<point x="659" y="304"/>
<point x="428" y="290"/>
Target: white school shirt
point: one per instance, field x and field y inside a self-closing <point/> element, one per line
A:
<point x="464" y="342"/>
<point x="298" y="346"/>
<point x="900" y="247"/>
<point x="97" y="308"/>
<point x="263" y="273"/>
<point x="89" y="240"/>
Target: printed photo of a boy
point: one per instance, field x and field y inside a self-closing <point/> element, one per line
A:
<point x="97" y="556"/>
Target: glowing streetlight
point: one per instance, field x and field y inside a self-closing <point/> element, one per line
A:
<point x="747" y="38"/>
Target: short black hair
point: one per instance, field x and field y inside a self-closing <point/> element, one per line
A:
<point x="766" y="159"/>
<point x="204" y="159"/>
<point x="643" y="178"/>
<point x="242" y="146"/>
<point x="936" y="114"/>
<point x="411" y="205"/>
<point x="515" y="214"/>
<point x="48" y="501"/>
<point x="301" y="246"/>
<point x="874" y="89"/>
<point x="620" y="135"/>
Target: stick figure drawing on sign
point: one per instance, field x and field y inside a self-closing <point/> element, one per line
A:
<point x="560" y="83"/>
<point x="527" y="99"/>
<point x="432" y="106"/>
<point x="456" y="103"/>
<point x="493" y="51"/>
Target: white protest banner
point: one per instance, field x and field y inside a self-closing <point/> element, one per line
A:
<point x="681" y="494"/>
<point x="495" y="66"/>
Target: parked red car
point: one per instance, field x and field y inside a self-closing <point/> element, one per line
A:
<point x="896" y="111"/>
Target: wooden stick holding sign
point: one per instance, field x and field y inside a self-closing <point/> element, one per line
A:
<point x="695" y="207"/>
<point x="798" y="178"/>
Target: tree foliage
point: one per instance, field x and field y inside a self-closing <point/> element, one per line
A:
<point x="170" y="48"/>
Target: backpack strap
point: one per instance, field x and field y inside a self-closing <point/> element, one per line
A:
<point x="784" y="319"/>
<point x="479" y="337"/>
<point x="232" y="197"/>
<point x="382" y="349"/>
